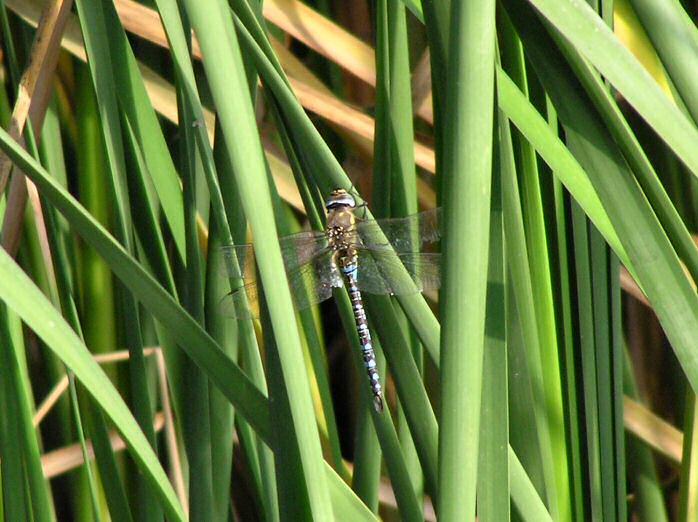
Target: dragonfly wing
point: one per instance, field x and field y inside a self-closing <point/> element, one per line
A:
<point x="296" y="249"/>
<point x="404" y="235"/>
<point x="313" y="282"/>
<point x="242" y="303"/>
<point x="309" y="284"/>
<point x="238" y="261"/>
<point x="383" y="271"/>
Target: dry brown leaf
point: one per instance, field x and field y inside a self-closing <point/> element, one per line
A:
<point x="160" y="91"/>
<point x="64" y="459"/>
<point x="652" y="430"/>
<point x="311" y="92"/>
<point x="69" y="457"/>
<point x="32" y="100"/>
<point x="323" y="36"/>
<point x="340" y="113"/>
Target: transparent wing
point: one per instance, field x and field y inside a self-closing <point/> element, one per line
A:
<point x="382" y="271"/>
<point x="407" y="234"/>
<point x="296" y="249"/>
<point x="309" y="284"/>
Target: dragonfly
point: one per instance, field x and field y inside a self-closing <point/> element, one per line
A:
<point x="394" y="256"/>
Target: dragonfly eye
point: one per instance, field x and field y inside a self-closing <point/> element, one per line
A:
<point x="340" y="198"/>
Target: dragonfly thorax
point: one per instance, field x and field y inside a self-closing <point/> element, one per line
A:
<point x="340" y="239"/>
<point x="341" y="228"/>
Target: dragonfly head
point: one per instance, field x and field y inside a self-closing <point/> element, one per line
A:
<point x="339" y="198"/>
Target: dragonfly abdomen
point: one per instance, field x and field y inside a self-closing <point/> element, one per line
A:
<point x="350" y="270"/>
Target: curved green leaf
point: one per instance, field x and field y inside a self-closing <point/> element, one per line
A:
<point x="203" y="350"/>
<point x="594" y="39"/>
<point x="23" y="297"/>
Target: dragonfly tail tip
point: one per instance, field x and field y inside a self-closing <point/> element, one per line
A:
<point x="378" y="404"/>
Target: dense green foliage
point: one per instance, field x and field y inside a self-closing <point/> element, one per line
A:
<point x="559" y="138"/>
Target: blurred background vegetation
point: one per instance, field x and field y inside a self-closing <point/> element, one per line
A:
<point x="551" y="378"/>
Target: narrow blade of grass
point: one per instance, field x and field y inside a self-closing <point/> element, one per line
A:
<point x="20" y="295"/>
<point x="531" y="187"/>
<point x="28" y="445"/>
<point x="413" y="397"/>
<point x="226" y="375"/>
<point x="688" y="507"/>
<point x="214" y="28"/>
<point x="540" y="449"/>
<point x="493" y="502"/>
<point x="466" y="196"/>
<point x="642" y="473"/>
<point x="676" y="41"/>
<point x="408" y="505"/>
<point x="523" y="495"/>
<point x="15" y="501"/>
<point x="589" y="33"/>
<point x="103" y="35"/>
<point x="660" y="276"/>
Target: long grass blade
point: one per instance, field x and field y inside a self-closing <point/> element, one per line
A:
<point x="539" y="447"/>
<point x="28" y="445"/>
<point x="493" y="502"/>
<point x="466" y="195"/>
<point x="226" y="375"/>
<point x="523" y="495"/>
<point x="662" y="279"/>
<point x="21" y="296"/>
<point x="532" y="186"/>
<point x="596" y="42"/>
<point x="215" y="31"/>
<point x="643" y="476"/>
<point x="679" y="60"/>
<point x="418" y="411"/>
<point x="15" y="499"/>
